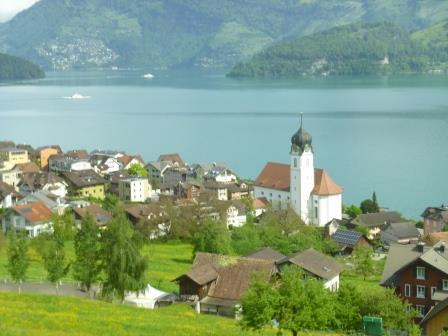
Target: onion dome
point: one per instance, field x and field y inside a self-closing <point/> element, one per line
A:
<point x="301" y="138"/>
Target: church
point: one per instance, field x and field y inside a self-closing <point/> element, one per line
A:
<point x="309" y="191"/>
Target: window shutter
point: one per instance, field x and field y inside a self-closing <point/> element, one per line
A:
<point x="415" y="272"/>
<point x="415" y="291"/>
<point x="440" y="284"/>
<point x="426" y="291"/>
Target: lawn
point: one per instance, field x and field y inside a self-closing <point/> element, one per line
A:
<point x="35" y="315"/>
<point x="166" y="261"/>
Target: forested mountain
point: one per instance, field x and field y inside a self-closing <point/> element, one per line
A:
<point x="65" y="34"/>
<point x="14" y="68"/>
<point x="356" y="49"/>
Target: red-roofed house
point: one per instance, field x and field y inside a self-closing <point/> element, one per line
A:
<point x="34" y="218"/>
<point x="310" y="191"/>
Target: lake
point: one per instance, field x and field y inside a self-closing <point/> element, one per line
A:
<point x="383" y="134"/>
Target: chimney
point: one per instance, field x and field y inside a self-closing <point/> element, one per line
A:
<point x="442" y="247"/>
<point x="420" y="247"/>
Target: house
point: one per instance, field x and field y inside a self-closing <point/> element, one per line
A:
<point x="101" y="216"/>
<point x="217" y="190"/>
<point x="52" y="202"/>
<point x="45" y="181"/>
<point x="259" y="205"/>
<point x="34" y="218"/>
<point x="43" y="154"/>
<point x="77" y="154"/>
<point x="152" y="217"/>
<point x="174" y="159"/>
<point x="317" y="265"/>
<point x="375" y="221"/>
<point x="126" y="161"/>
<point x="236" y="214"/>
<point x="11" y="177"/>
<point x="348" y="240"/>
<point x="216" y="283"/>
<point x="174" y="175"/>
<point x="8" y="196"/>
<point x="418" y="274"/>
<point x="114" y="180"/>
<point x="435" y="323"/>
<point x="29" y="167"/>
<point x="332" y="226"/>
<point x="267" y="253"/>
<point x="104" y="165"/>
<point x="399" y="233"/>
<point x="309" y="191"/>
<point x="11" y="156"/>
<point x="156" y="171"/>
<point x="85" y="184"/>
<point x="220" y="174"/>
<point x="65" y="163"/>
<point x="134" y="189"/>
<point x="107" y="153"/>
<point x="238" y="190"/>
<point x="188" y="190"/>
<point x="434" y="219"/>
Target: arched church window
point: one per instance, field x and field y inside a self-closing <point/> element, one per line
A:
<point x="295" y="163"/>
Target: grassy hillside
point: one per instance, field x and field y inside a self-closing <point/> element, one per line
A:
<point x="156" y="34"/>
<point x="356" y="49"/>
<point x="14" y="68"/>
<point x="166" y="262"/>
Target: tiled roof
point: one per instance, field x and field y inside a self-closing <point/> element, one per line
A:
<point x="99" y="214"/>
<point x="34" y="213"/>
<point x="260" y="203"/>
<point x="277" y="176"/>
<point x="29" y="167"/>
<point x="435" y="237"/>
<point x="174" y="158"/>
<point x="377" y="219"/>
<point x="84" y="178"/>
<point x="324" y="185"/>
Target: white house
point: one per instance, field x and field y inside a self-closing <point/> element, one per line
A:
<point x="309" y="191"/>
<point x="34" y="218"/>
<point x="11" y="177"/>
<point x="236" y="214"/>
<point x="8" y="196"/>
<point x="60" y="163"/>
<point x="317" y="265"/>
<point x="134" y="189"/>
<point x="43" y="181"/>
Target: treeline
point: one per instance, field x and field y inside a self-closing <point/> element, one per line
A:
<point x="15" y="68"/>
<point x="356" y="49"/>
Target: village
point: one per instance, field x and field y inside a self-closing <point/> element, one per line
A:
<point x="310" y="228"/>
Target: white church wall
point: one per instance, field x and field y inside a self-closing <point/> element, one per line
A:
<point x="277" y="198"/>
<point x="329" y="207"/>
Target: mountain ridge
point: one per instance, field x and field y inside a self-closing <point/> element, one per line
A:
<point x="67" y="34"/>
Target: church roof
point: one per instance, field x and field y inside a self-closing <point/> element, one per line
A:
<point x="324" y="185"/>
<point x="277" y="176"/>
<point x="274" y="176"/>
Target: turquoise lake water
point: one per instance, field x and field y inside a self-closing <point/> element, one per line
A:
<point x="388" y="134"/>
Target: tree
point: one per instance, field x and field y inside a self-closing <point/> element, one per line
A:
<point x="18" y="261"/>
<point x="363" y="260"/>
<point x="370" y="205"/>
<point x="110" y="202"/>
<point x="54" y="257"/>
<point x="86" y="267"/>
<point x="136" y="169"/>
<point x="353" y="211"/>
<point x="213" y="237"/>
<point x="123" y="264"/>
<point x="296" y="303"/>
<point x="66" y="224"/>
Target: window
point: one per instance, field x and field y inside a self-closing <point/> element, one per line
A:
<point x="407" y="290"/>
<point x="295" y="163"/>
<point x="420" y="292"/>
<point x="315" y="212"/>
<point x="445" y="285"/>
<point x="420" y="310"/>
<point x="433" y="290"/>
<point x="420" y="273"/>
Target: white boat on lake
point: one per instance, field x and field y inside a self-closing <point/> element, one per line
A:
<point x="77" y="96"/>
<point x="148" y="76"/>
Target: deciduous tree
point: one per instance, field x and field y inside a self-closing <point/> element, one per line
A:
<point x="18" y="261"/>
<point x="123" y="263"/>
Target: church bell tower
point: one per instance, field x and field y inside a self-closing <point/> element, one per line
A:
<point x="302" y="173"/>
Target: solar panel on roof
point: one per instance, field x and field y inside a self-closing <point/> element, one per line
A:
<point x="346" y="237"/>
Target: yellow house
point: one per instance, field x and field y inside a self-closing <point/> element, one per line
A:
<point x="44" y="153"/>
<point x="13" y="156"/>
<point x="86" y="184"/>
<point x="435" y="323"/>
